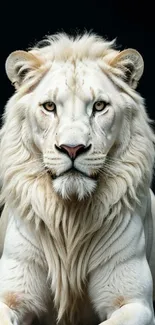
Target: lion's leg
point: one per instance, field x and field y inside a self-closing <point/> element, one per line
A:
<point x="131" y="314"/>
<point x="125" y="297"/>
<point x="14" y="297"/>
<point x="121" y="289"/>
<point x="127" y="302"/>
<point x="23" y="289"/>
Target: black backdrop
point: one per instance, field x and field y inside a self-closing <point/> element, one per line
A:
<point x="131" y="22"/>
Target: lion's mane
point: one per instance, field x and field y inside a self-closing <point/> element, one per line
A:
<point x="69" y="231"/>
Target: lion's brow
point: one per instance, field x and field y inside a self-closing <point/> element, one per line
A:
<point x="55" y="93"/>
<point x="52" y="93"/>
<point x="92" y="93"/>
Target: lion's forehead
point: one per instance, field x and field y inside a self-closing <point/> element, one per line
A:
<point x="85" y="79"/>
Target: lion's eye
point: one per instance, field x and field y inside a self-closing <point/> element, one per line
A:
<point x="49" y="106"/>
<point x="99" y="106"/>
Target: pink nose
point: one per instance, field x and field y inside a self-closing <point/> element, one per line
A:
<point x="72" y="151"/>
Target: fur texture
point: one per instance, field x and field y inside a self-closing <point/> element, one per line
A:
<point x="73" y="213"/>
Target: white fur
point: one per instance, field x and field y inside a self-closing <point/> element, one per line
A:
<point x="70" y="235"/>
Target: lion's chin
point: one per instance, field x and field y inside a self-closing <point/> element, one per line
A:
<point x="74" y="185"/>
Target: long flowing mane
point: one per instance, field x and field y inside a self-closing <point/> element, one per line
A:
<point x="69" y="231"/>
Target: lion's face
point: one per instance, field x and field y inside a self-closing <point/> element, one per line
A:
<point x="75" y="115"/>
<point x="76" y="101"/>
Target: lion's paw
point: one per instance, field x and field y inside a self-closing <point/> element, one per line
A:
<point x="7" y="316"/>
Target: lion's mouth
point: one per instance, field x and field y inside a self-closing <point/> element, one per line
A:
<point x="73" y="172"/>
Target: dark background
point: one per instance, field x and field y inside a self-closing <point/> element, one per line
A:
<point x="131" y="22"/>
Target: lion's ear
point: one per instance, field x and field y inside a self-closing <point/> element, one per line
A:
<point x="131" y="62"/>
<point x="18" y="64"/>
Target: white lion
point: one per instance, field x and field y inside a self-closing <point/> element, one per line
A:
<point x="77" y="155"/>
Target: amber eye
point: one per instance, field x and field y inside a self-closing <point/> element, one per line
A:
<point x="49" y="106"/>
<point x="99" y="106"/>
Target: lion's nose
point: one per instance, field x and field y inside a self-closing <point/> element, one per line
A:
<point x="73" y="151"/>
